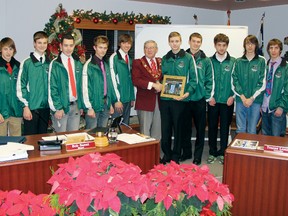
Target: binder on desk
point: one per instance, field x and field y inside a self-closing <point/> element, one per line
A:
<point x="14" y="151"/>
<point x="18" y="139"/>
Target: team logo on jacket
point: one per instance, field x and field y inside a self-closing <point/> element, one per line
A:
<point x="227" y="68"/>
<point x="77" y="70"/>
<point x="254" y="68"/>
<point x="181" y="64"/>
<point x="199" y="65"/>
<point x="278" y="74"/>
<point x="47" y="70"/>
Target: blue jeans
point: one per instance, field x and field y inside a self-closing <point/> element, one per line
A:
<point x="101" y="119"/>
<point x="273" y="125"/>
<point x="247" y="118"/>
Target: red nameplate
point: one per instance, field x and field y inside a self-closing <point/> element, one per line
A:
<point x="80" y="146"/>
<point x="276" y="149"/>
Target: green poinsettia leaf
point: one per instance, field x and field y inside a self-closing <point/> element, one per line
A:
<point x="178" y="206"/>
<point x="125" y="210"/>
<point x="102" y="213"/>
<point x="193" y="201"/>
<point x="172" y="211"/>
<point x="73" y="207"/>
<point x="111" y="213"/>
<point x="122" y="197"/>
<point x="91" y="207"/>
<point x="214" y="207"/>
<point x="134" y="204"/>
<point x="150" y="204"/>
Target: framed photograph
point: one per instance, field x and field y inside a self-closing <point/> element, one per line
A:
<point x="245" y="144"/>
<point x="173" y="86"/>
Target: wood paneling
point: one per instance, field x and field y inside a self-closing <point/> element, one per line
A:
<point x="88" y="24"/>
<point x="257" y="179"/>
<point x="33" y="173"/>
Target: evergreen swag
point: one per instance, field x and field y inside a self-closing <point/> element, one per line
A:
<point x="60" y="23"/>
<point x="119" y="17"/>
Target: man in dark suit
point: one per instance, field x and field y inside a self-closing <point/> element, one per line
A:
<point x="146" y="74"/>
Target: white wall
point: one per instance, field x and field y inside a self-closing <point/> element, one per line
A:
<point x="19" y="19"/>
<point x="275" y="22"/>
<point x="145" y="32"/>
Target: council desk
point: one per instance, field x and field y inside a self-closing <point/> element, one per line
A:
<point x="257" y="179"/>
<point x="32" y="174"/>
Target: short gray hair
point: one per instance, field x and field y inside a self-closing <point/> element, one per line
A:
<point x="150" y="41"/>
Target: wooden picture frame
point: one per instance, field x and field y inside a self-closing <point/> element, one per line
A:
<point x="173" y="86"/>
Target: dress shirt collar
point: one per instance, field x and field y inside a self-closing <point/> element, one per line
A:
<point x="38" y="56"/>
<point x="221" y="58"/>
<point x="149" y="60"/>
<point x="65" y="57"/>
<point x="277" y="60"/>
<point x="122" y="53"/>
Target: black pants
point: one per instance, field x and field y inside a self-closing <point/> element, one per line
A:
<point x="171" y="121"/>
<point x="39" y="122"/>
<point x="225" y="114"/>
<point x="195" y="110"/>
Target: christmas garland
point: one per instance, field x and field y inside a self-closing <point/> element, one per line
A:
<point x="61" y="23"/>
<point x="130" y="18"/>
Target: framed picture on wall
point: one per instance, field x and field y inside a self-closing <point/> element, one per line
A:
<point x="173" y="86"/>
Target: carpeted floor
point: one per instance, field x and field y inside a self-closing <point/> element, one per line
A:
<point x="216" y="168"/>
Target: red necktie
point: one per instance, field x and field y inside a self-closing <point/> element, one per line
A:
<point x="153" y="67"/>
<point x="72" y="80"/>
<point x="9" y="68"/>
<point x="126" y="59"/>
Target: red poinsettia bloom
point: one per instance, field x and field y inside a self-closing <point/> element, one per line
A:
<point x="99" y="179"/>
<point x="17" y="203"/>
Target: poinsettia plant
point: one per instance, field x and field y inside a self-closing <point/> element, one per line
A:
<point x="102" y="184"/>
<point x="17" y="203"/>
<point x="186" y="189"/>
<point x="106" y="185"/>
<point x="97" y="184"/>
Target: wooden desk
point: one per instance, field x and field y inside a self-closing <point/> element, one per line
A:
<point x="258" y="180"/>
<point x="33" y="173"/>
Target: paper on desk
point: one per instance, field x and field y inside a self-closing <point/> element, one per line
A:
<point x="64" y="137"/>
<point x="14" y="151"/>
<point x="51" y="138"/>
<point x="87" y="136"/>
<point x="133" y="138"/>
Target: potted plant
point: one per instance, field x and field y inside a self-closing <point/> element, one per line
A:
<point x="17" y="203"/>
<point x="105" y="185"/>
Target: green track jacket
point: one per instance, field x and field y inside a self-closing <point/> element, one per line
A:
<point x="93" y="86"/>
<point x="58" y="96"/>
<point x="279" y="94"/>
<point x="9" y="103"/>
<point x="205" y="85"/>
<point x="222" y="78"/>
<point x="32" y="84"/>
<point x="249" y="78"/>
<point x="122" y="78"/>
<point x="182" y="64"/>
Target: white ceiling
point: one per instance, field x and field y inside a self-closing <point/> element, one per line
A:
<point x="220" y="4"/>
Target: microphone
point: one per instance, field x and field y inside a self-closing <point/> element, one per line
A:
<point x="116" y="122"/>
<point x="46" y="143"/>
